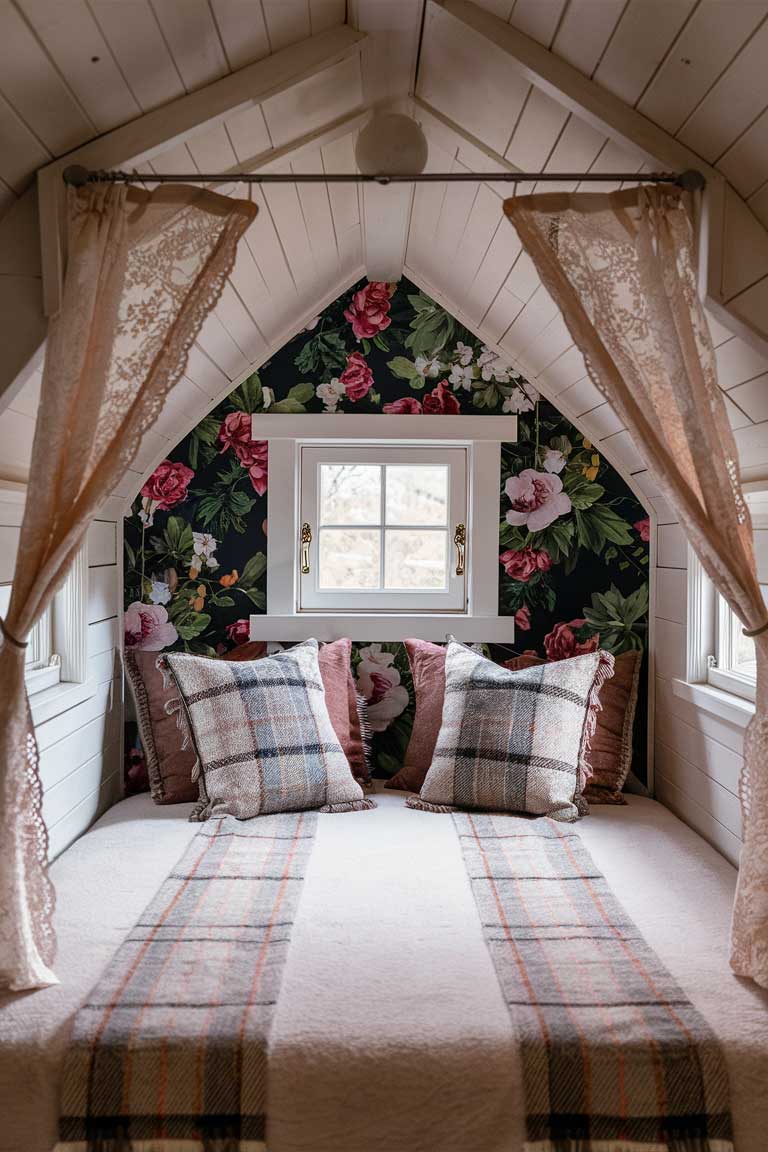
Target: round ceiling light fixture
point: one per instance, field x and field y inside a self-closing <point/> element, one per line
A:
<point x="391" y="144"/>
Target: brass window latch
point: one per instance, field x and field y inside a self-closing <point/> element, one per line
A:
<point x="460" y="540"/>
<point x="306" y="540"/>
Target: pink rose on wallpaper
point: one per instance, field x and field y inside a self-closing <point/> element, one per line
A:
<point x="147" y="626"/>
<point x="523" y="619"/>
<point x="357" y="377"/>
<point x="235" y="433"/>
<point x="537" y="499"/>
<point x="525" y="562"/>
<point x="561" y="642"/>
<point x="369" y="311"/>
<point x="405" y="406"/>
<point x="441" y="401"/>
<point x="380" y="683"/>
<point x="239" y="632"/>
<point x="167" y="485"/>
<point x="644" y="528"/>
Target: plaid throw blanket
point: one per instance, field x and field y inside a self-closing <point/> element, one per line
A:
<point x="615" y="1058"/>
<point x="171" y="1044"/>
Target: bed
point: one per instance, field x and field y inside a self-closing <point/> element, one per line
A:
<point x="389" y="996"/>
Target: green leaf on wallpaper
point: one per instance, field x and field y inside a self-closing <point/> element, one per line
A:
<point x="202" y="440"/>
<point x="557" y="539"/>
<point x="249" y="397"/>
<point x="303" y="392"/>
<point x="326" y="350"/>
<point x="254" y="569"/>
<point x="618" y="619"/>
<point x="257" y="598"/>
<point x="598" y="524"/>
<point x="381" y="342"/>
<point x="219" y="601"/>
<point x="130" y="555"/>
<point x="366" y="346"/>
<point x="193" y="625"/>
<point x="583" y="493"/>
<point x="431" y="327"/>
<point x="405" y="369"/>
<point x="175" y="544"/>
<point x="511" y="537"/>
<point x="287" y="406"/>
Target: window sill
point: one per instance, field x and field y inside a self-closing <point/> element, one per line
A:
<point x="51" y="702"/>
<point x="384" y="626"/>
<point x="727" y="706"/>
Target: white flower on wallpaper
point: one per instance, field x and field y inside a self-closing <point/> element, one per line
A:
<point x="330" y="393"/>
<point x="379" y="682"/>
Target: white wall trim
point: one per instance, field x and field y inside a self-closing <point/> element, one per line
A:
<point x="384" y="626"/>
<point x="282" y="529"/>
<point x="700" y="620"/>
<point x="723" y="704"/>
<point x="381" y="426"/>
<point x="70" y="621"/>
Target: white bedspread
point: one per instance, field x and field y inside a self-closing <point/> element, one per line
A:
<point x="390" y="1011"/>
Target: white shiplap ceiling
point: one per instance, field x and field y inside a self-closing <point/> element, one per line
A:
<point x="71" y="70"/>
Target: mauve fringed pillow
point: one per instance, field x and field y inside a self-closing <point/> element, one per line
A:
<point x="610" y="751"/>
<point x="514" y="741"/>
<point x="263" y="737"/>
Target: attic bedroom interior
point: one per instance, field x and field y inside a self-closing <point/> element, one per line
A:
<point x="383" y="573"/>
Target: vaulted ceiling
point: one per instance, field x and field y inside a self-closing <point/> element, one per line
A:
<point x="213" y="85"/>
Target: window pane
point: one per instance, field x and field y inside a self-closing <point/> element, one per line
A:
<point x="743" y="651"/>
<point x="5" y="599"/>
<point x="415" y="559"/>
<point x="349" y="558"/>
<point x="417" y="494"/>
<point x="350" y="494"/>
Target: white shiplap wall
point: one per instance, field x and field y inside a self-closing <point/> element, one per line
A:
<point x="81" y="747"/>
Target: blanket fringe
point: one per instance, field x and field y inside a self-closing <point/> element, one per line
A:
<point x="424" y="806"/>
<point x="350" y="806"/>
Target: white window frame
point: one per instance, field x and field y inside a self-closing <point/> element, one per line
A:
<point x="720" y="671"/>
<point x="480" y="435"/>
<point x="453" y="598"/>
<point x="58" y="644"/>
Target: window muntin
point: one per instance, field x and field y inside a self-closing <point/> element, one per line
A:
<point x="382" y="520"/>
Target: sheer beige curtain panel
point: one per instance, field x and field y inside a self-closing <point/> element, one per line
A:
<point x="622" y="269"/>
<point x="143" y="271"/>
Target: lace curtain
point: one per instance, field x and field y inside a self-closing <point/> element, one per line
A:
<point x="144" y="270"/>
<point x="622" y="269"/>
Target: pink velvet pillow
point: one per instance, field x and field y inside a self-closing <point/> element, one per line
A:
<point x="428" y="672"/>
<point x="169" y="766"/>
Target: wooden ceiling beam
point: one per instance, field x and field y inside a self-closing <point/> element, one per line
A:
<point x="629" y="128"/>
<point x="175" y="122"/>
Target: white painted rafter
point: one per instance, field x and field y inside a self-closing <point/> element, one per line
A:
<point x="619" y="122"/>
<point x="175" y="122"/>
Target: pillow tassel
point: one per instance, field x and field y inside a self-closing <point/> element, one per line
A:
<point x="604" y="672"/>
<point x="350" y="806"/>
<point x="424" y="806"/>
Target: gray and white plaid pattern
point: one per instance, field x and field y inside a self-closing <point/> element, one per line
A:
<point x="263" y="736"/>
<point x="514" y="741"/>
<point x="171" y="1044"/>
<point x="614" y="1055"/>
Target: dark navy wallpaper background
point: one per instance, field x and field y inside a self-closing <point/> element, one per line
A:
<point x="573" y="539"/>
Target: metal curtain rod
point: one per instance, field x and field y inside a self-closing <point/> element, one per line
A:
<point x="77" y="176"/>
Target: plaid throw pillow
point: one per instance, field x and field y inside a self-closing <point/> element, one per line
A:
<point x="514" y="741"/>
<point x="263" y="737"/>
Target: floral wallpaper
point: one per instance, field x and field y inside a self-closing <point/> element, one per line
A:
<point x="573" y="540"/>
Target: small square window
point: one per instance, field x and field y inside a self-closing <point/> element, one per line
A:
<point x="383" y="528"/>
<point x="734" y="668"/>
